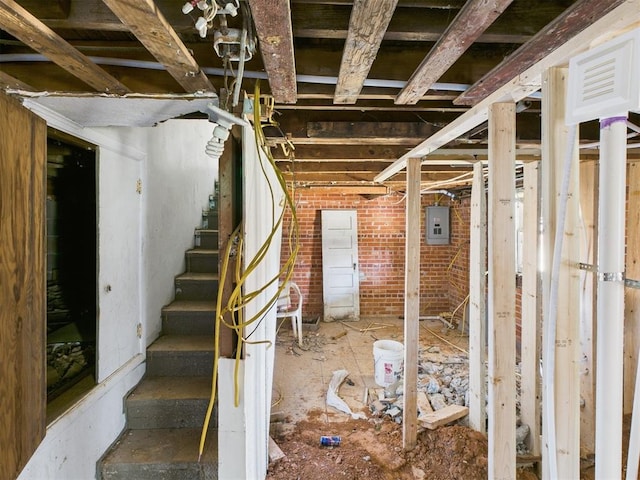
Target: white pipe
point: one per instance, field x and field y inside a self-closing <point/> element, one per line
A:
<point x="633" y="456"/>
<point x="552" y="319"/>
<point x="316" y="79"/>
<point x="610" y="297"/>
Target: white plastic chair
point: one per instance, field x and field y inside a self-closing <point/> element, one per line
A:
<point x="291" y="306"/>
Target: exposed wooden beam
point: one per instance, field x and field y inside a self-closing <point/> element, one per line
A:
<point x="474" y="18"/>
<point x="337" y="152"/>
<point x="411" y="305"/>
<point x="7" y="81"/>
<point x="501" y="409"/>
<point x="531" y="331"/>
<point x="33" y="33"/>
<point x="369" y="20"/>
<point x="524" y="84"/>
<point x="372" y="130"/>
<point x="272" y="19"/>
<point x="478" y="303"/>
<point x="150" y="27"/>
<point x="408" y="141"/>
<point x="565" y="27"/>
<point x="336" y="178"/>
<point x="328" y="167"/>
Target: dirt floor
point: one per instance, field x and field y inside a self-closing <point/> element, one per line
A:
<point x="370" y="448"/>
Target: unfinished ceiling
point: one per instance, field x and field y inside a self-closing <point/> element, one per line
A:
<point x="357" y="84"/>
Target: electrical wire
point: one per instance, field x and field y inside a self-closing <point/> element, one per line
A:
<point x="239" y="299"/>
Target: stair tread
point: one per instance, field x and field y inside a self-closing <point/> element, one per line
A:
<point x="202" y="251"/>
<point x="161" y="446"/>
<point x="197" y="276"/>
<point x="171" y="388"/>
<point x="190" y="306"/>
<point x="182" y="343"/>
<point x="207" y="230"/>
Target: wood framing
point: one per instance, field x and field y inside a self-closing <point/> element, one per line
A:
<point x="565" y="392"/>
<point x="473" y="19"/>
<point x="24" y="26"/>
<point x="273" y="26"/>
<point x="148" y="24"/>
<point x="531" y="334"/>
<point x="23" y="391"/>
<point x="501" y="409"/>
<point x="588" y="248"/>
<point x="367" y="25"/>
<point x="522" y="84"/>
<point x="411" y="306"/>
<point x="478" y="303"/>
<point x="574" y="20"/>
<point x="7" y="81"/>
<point x="632" y="295"/>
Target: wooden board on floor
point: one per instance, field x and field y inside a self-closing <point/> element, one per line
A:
<point x="445" y="415"/>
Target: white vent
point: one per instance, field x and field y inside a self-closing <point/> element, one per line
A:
<point x="605" y="81"/>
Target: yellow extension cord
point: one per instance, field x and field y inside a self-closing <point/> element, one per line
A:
<point x="237" y="300"/>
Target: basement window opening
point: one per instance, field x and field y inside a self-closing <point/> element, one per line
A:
<point x="71" y="271"/>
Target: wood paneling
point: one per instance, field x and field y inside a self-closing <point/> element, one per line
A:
<point x="22" y="285"/>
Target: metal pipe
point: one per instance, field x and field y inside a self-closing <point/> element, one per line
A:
<point x="610" y="298"/>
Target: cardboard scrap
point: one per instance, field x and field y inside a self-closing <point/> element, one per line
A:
<point x="443" y="416"/>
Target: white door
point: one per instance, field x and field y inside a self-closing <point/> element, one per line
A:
<point x="340" y="277"/>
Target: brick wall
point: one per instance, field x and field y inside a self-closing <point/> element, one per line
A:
<point x="381" y="244"/>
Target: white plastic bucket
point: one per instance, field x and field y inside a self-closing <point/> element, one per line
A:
<point x="388" y="361"/>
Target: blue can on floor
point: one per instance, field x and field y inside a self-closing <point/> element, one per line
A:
<point x="330" y="441"/>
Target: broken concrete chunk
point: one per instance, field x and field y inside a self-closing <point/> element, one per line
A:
<point x="434" y="386"/>
<point x="438" y="401"/>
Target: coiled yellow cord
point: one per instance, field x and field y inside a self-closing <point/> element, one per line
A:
<point x="237" y="300"/>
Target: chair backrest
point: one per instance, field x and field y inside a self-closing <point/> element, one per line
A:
<point x="286" y="301"/>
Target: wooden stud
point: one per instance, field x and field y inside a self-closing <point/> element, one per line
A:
<point x="632" y="295"/>
<point x="473" y="19"/>
<point x="367" y="25"/>
<point x="147" y="23"/>
<point x="411" y="305"/>
<point x="567" y="341"/>
<point x="588" y="245"/>
<point x="531" y="338"/>
<point x="502" y="283"/>
<point x="33" y="33"/>
<point x="572" y="21"/>
<point x="273" y="26"/>
<point x="478" y="303"/>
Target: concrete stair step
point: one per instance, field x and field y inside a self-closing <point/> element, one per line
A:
<point x="180" y="355"/>
<point x="189" y="317"/>
<point x="196" y="286"/>
<point x="168" y="402"/>
<point x="203" y="260"/>
<point x="166" y="454"/>
<point x="206" y="238"/>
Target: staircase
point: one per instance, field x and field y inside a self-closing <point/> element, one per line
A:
<point x="165" y="412"/>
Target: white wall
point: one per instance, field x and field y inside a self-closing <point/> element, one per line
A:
<point x="136" y="266"/>
<point x="179" y="179"/>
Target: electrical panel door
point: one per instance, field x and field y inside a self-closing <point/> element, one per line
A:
<point x="437" y="225"/>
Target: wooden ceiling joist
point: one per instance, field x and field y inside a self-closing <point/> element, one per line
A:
<point x="575" y="19"/>
<point x="371" y="130"/>
<point x="474" y="18"/>
<point x="367" y="25"/>
<point x="272" y="20"/>
<point x="524" y="83"/>
<point x="7" y="81"/>
<point x="32" y="32"/>
<point x="150" y="27"/>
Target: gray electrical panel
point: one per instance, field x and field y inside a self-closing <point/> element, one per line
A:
<point x="437" y="225"/>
